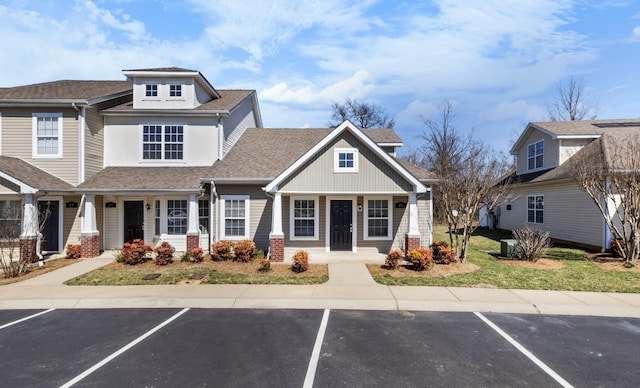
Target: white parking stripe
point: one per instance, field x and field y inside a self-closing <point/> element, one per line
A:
<point x="315" y="354"/>
<point x="524" y="351"/>
<point x="25" y="318"/>
<point x="122" y="350"/>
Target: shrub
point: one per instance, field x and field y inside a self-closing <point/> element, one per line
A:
<point x="300" y="262"/>
<point x="118" y="255"/>
<point x="259" y="254"/>
<point x="185" y="257"/>
<point x="73" y="251"/>
<point x="222" y="250"/>
<point x="164" y="253"/>
<point x="531" y="244"/>
<point x="393" y="259"/>
<point x="442" y="254"/>
<point x="196" y="255"/>
<point x="135" y="252"/>
<point x="420" y="258"/>
<point x="265" y="265"/>
<point x="244" y="251"/>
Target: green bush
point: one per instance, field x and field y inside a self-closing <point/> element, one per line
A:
<point x="222" y="250"/>
<point x="392" y="261"/>
<point x="164" y="253"/>
<point x="420" y="258"/>
<point x="135" y="252"/>
<point x="300" y="262"/>
<point x="74" y="251"/>
<point x="259" y="254"/>
<point x="244" y="251"/>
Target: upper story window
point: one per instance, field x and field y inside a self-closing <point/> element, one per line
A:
<point x="535" y="154"/>
<point x="162" y="142"/>
<point x="345" y="160"/>
<point x="175" y="90"/>
<point x="47" y="135"/>
<point x="151" y="90"/>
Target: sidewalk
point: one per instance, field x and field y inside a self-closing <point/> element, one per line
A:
<point x="349" y="287"/>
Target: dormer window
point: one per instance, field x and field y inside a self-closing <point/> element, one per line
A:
<point x="175" y="90"/>
<point x="535" y="153"/>
<point x="345" y="160"/>
<point x="151" y="90"/>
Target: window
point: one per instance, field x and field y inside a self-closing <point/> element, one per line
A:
<point x="304" y="218"/>
<point x="177" y="216"/>
<point x="535" y="154"/>
<point x="535" y="209"/>
<point x="345" y="160"/>
<point x="162" y="142"/>
<point x="10" y="218"/>
<point x="235" y="220"/>
<point x="151" y="90"/>
<point x="378" y="221"/>
<point x="175" y="90"/>
<point x="47" y="135"/>
<point x="203" y="215"/>
<point x="156" y="217"/>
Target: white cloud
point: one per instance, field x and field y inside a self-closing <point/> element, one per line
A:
<point x="508" y="110"/>
<point x="636" y="34"/>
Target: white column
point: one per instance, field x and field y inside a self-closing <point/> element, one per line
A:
<point x="276" y="226"/>
<point x="193" y="215"/>
<point x="414" y="230"/>
<point x="89" y="224"/>
<point x="30" y="218"/>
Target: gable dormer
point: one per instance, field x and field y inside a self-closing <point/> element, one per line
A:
<point x="170" y="88"/>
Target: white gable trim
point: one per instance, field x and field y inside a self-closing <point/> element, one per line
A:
<point x="346" y="126"/>
<point x="24" y="188"/>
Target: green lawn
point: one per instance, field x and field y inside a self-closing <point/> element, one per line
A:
<point x="578" y="273"/>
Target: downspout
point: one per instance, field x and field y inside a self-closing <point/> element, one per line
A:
<point x="220" y="126"/>
<point x="272" y="199"/>
<point x="214" y="194"/>
<point x="81" y="141"/>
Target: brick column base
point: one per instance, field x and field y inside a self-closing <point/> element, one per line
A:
<point x="90" y="246"/>
<point x="411" y="243"/>
<point x="28" y="250"/>
<point x="193" y="241"/>
<point x="276" y="248"/>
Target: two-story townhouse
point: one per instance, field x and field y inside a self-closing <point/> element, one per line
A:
<point x="546" y="195"/>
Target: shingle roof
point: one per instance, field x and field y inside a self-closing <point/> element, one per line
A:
<point x="165" y="70"/>
<point x="66" y="90"/>
<point x="145" y="178"/>
<point x="32" y="175"/>
<point x="228" y="100"/>
<point x="586" y="127"/>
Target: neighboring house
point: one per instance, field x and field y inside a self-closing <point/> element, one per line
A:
<point x="546" y="195"/>
<point x="165" y="156"/>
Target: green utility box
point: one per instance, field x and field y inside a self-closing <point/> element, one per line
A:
<point x="507" y="247"/>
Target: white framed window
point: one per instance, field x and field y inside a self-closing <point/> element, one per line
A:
<point x="535" y="155"/>
<point x="162" y="142"/>
<point x="234" y="210"/>
<point x="304" y="218"/>
<point x="345" y="160"/>
<point x="203" y="215"/>
<point x="175" y="90"/>
<point x="11" y="218"/>
<point x="151" y="90"/>
<point x="47" y="135"/>
<point x="378" y="219"/>
<point x="156" y="218"/>
<point x="177" y="216"/>
<point x="535" y="209"/>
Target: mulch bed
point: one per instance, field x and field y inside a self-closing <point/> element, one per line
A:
<point x="49" y="265"/>
<point x="609" y="262"/>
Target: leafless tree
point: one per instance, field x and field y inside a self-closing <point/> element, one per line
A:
<point x="609" y="172"/>
<point x="12" y="264"/>
<point x="363" y="115"/>
<point x="571" y="102"/>
<point x="470" y="175"/>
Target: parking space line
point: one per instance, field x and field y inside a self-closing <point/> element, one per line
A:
<point x="25" y="318"/>
<point x="315" y="354"/>
<point x="122" y="350"/>
<point x="524" y="351"/>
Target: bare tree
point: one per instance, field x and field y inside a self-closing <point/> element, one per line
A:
<point x="363" y="115"/>
<point x="12" y="264"/>
<point x="470" y="175"/>
<point x="609" y="172"/>
<point x="571" y="102"/>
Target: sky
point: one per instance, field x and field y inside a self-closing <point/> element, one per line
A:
<point x="498" y="62"/>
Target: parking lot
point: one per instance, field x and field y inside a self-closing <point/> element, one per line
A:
<point x="321" y="348"/>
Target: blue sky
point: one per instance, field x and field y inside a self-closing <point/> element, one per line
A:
<point x="498" y="61"/>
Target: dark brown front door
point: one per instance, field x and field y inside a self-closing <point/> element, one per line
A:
<point x="133" y="220"/>
<point x="50" y="212"/>
<point x="341" y="225"/>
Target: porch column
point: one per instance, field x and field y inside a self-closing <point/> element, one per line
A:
<point x="412" y="240"/>
<point x="89" y="234"/>
<point x="193" y="233"/>
<point x="29" y="233"/>
<point x="276" y="237"/>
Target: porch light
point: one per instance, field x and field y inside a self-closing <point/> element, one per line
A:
<point x="148" y="207"/>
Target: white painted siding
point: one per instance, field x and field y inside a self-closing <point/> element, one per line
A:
<point x="163" y="100"/>
<point x="238" y="122"/>
<point x="551" y="152"/>
<point x="569" y="147"/>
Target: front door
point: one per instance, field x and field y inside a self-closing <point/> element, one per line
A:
<point x="49" y="211"/>
<point x="341" y="225"/>
<point x="133" y="220"/>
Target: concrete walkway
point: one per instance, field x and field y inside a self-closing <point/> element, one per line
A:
<point x="349" y="287"/>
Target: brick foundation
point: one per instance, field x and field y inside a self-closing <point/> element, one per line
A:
<point x="411" y="243"/>
<point x="276" y="248"/>
<point x="28" y="249"/>
<point x="89" y="246"/>
<point x="193" y="241"/>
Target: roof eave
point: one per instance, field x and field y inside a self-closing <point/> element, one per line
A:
<point x="160" y="112"/>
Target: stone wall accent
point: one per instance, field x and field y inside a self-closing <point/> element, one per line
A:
<point x="90" y="246"/>
<point x="276" y="248"/>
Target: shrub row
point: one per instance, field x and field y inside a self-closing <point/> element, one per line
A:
<point x="242" y="251"/>
<point x="422" y="258"/>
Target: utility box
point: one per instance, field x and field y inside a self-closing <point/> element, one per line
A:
<point x="508" y="247"/>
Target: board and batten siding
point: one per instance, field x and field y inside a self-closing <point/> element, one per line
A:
<point x="374" y="174"/>
<point x="17" y="140"/>
<point x="569" y="213"/>
<point x="551" y="156"/>
<point x="260" y="210"/>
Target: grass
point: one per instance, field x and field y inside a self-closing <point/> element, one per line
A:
<point x="578" y="273"/>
